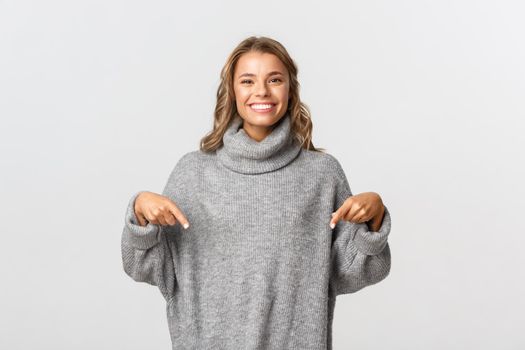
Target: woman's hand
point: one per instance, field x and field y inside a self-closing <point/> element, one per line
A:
<point x="363" y="207"/>
<point x="158" y="209"/>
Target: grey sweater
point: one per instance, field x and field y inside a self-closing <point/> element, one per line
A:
<point x="259" y="266"/>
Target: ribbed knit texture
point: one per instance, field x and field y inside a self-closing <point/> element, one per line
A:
<point x="259" y="267"/>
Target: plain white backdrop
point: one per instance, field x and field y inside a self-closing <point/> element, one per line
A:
<point x="421" y="101"/>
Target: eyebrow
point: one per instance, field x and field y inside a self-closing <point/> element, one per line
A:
<point x="275" y="72"/>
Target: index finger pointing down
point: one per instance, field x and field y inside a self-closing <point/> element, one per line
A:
<point x="178" y="215"/>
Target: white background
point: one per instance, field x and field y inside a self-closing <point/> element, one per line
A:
<point x="421" y="102"/>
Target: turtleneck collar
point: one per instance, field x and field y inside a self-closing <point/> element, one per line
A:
<point x="245" y="155"/>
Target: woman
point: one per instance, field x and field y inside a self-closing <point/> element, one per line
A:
<point x="257" y="232"/>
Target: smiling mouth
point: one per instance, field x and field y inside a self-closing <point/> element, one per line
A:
<point x="262" y="107"/>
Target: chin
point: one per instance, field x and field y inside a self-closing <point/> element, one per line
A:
<point x="267" y="120"/>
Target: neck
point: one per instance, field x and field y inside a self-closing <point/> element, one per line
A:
<point x="256" y="132"/>
<point x="244" y="154"/>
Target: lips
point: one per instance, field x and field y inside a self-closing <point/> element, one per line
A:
<point x="262" y="107"/>
<point x="261" y="103"/>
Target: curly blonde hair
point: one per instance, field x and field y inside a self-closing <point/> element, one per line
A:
<point x="226" y="109"/>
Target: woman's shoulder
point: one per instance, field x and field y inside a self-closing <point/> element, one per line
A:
<point x="194" y="157"/>
<point x="323" y="160"/>
<point x="187" y="166"/>
<point x="190" y="161"/>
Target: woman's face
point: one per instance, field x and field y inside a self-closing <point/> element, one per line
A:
<point x="261" y="85"/>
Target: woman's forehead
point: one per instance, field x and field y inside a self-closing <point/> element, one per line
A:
<point x="256" y="63"/>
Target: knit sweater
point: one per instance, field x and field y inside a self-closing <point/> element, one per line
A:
<point x="259" y="266"/>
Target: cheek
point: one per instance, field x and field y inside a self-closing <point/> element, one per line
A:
<point x="240" y="96"/>
<point x="283" y="94"/>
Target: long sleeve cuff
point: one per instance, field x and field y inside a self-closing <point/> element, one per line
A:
<point x="140" y="237"/>
<point x="372" y="242"/>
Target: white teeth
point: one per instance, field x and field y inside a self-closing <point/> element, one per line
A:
<point x="259" y="106"/>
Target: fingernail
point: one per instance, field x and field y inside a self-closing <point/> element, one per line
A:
<point x="332" y="225"/>
<point x="186" y="225"/>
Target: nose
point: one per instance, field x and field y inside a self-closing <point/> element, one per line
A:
<point x="261" y="90"/>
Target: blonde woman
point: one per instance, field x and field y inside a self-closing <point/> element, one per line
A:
<point x="256" y="233"/>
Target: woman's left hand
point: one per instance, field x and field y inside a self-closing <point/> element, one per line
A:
<point x="362" y="207"/>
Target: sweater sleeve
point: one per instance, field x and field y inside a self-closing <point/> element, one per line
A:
<point x="146" y="252"/>
<point x="359" y="257"/>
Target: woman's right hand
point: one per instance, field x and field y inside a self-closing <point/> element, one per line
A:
<point x="157" y="209"/>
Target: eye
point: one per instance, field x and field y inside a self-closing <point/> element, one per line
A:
<point x="245" y="81"/>
<point x="276" y="79"/>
